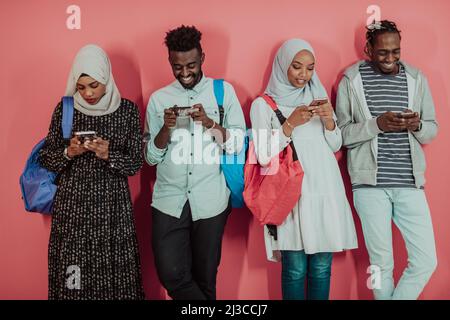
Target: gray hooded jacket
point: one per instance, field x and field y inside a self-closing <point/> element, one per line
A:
<point x="360" y="130"/>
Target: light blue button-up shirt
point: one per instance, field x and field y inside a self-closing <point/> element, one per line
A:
<point x="189" y="167"/>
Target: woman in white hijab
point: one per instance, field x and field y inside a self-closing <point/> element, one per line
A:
<point x="321" y="222"/>
<point x="93" y="239"/>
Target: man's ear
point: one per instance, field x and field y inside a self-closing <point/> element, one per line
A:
<point x="203" y="58"/>
<point x="369" y="50"/>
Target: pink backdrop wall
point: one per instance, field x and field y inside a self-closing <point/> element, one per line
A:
<point x="240" y="40"/>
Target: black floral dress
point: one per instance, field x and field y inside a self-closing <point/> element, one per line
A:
<point x="93" y="250"/>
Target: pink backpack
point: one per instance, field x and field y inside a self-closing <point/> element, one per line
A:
<point x="271" y="192"/>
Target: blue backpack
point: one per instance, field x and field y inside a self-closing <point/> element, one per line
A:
<point x="37" y="183"/>
<point x="232" y="165"/>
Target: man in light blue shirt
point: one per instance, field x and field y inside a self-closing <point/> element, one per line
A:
<point x="191" y="201"/>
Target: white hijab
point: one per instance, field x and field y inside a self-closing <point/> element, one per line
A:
<point x="93" y="61"/>
<point x="279" y="87"/>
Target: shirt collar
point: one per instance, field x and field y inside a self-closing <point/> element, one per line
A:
<point x="197" y="89"/>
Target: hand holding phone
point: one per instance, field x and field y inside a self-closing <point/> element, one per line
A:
<point x="99" y="146"/>
<point x="411" y="119"/>
<point x="170" y="117"/>
<point x="75" y="148"/>
<point x="323" y="108"/>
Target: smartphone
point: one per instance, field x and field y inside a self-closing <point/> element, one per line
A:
<point x="84" y="136"/>
<point x="318" y="102"/>
<point x="185" y="111"/>
<point x="407" y="115"/>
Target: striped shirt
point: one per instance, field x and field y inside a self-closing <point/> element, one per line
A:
<point x="389" y="93"/>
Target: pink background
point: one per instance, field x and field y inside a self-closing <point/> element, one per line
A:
<point x="240" y="40"/>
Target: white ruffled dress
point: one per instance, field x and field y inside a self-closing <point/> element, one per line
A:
<point x="322" y="219"/>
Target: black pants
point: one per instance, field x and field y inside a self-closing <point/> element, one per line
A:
<point x="187" y="253"/>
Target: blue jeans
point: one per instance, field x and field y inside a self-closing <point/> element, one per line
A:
<point x="316" y="268"/>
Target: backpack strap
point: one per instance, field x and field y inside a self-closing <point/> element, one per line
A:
<point x="273" y="231"/>
<point x="67" y="117"/>
<point x="273" y="105"/>
<point x="269" y="100"/>
<point x="219" y="93"/>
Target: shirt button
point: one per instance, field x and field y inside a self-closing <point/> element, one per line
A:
<point x="192" y="154"/>
<point x="189" y="191"/>
<point x="190" y="173"/>
<point x="192" y="134"/>
<point x="191" y="98"/>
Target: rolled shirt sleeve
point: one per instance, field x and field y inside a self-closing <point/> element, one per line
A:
<point x="153" y="124"/>
<point x="333" y="137"/>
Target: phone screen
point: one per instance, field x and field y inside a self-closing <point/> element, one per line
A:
<point x="85" y="135"/>
<point x="407" y="115"/>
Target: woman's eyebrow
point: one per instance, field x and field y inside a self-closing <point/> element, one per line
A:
<point x="295" y="61"/>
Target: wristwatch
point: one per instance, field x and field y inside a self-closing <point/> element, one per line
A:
<point x="66" y="155"/>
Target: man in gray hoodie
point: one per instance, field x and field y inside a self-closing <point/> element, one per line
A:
<point x="385" y="112"/>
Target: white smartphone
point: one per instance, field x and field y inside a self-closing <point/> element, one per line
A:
<point x="85" y="135"/>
